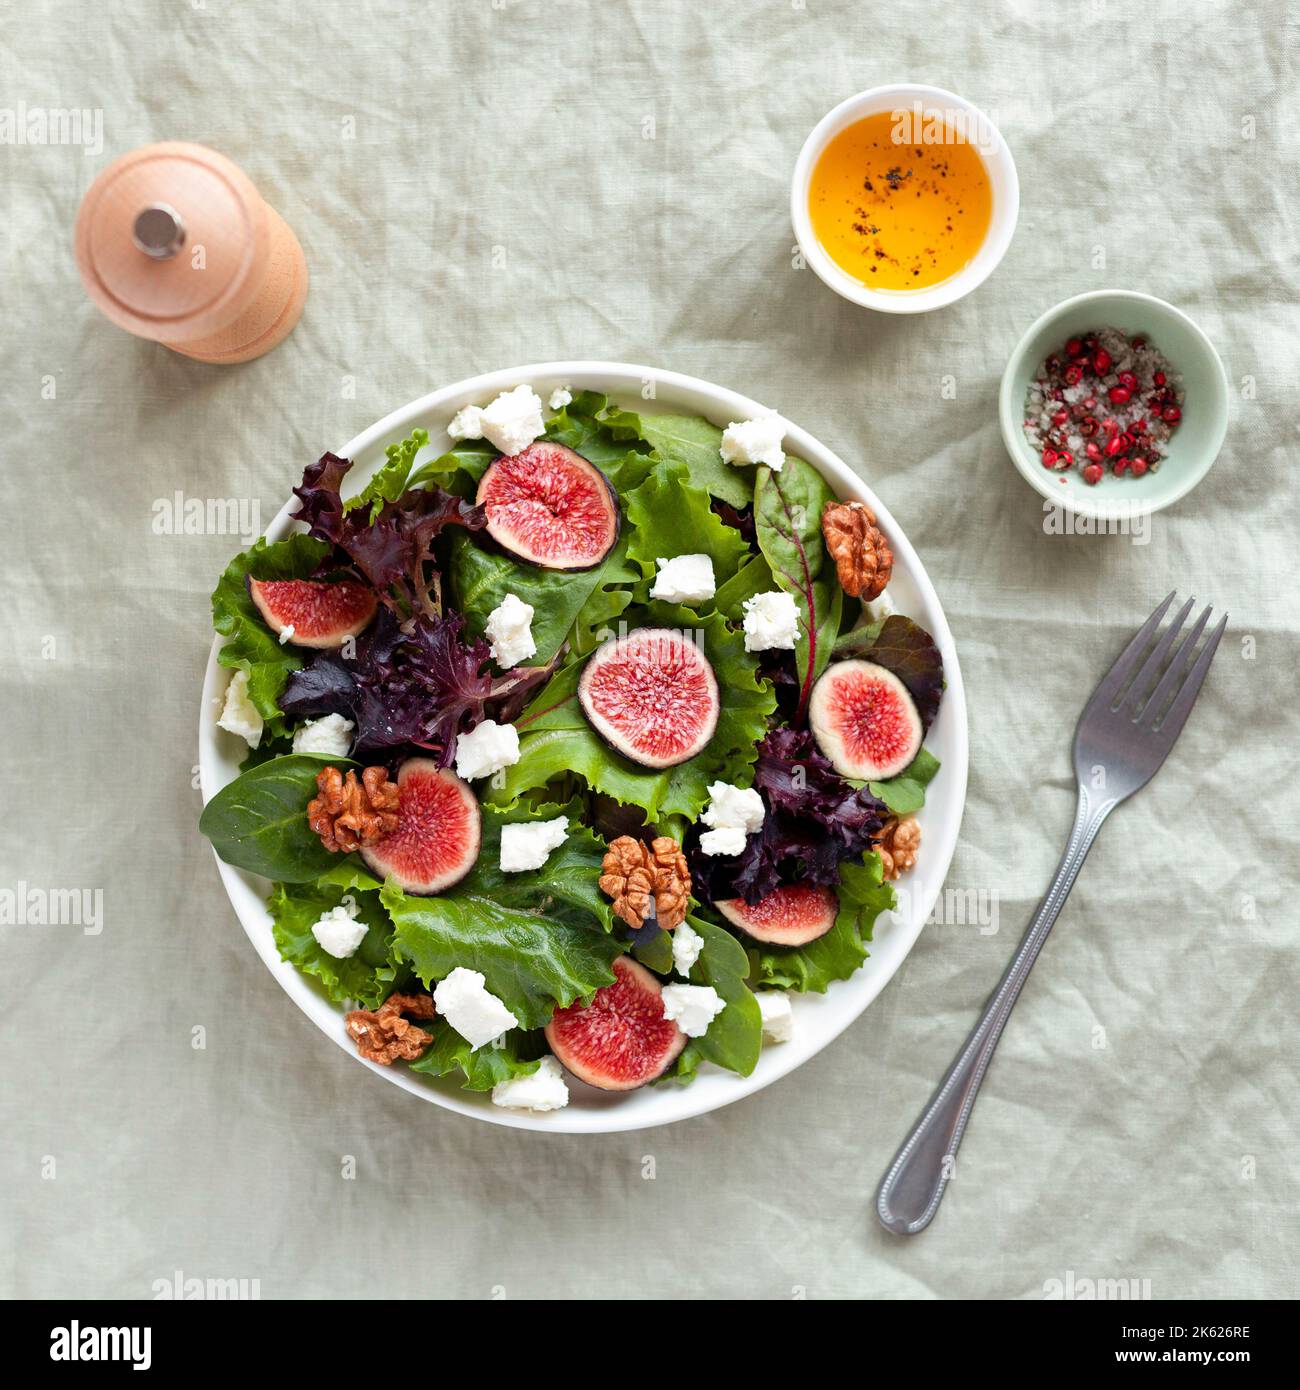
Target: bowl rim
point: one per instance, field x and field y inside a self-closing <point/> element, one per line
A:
<point x="846" y="1000"/>
<point x="970" y="277"/>
<point x="1092" y="503"/>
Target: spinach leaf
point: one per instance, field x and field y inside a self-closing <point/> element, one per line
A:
<point x="906" y="792"/>
<point x="480" y="579"/>
<point x="259" y="821"/>
<point x="787" y="514"/>
<point x="735" y="1037"/>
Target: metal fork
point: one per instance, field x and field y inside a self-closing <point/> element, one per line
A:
<point x="1124" y="735"/>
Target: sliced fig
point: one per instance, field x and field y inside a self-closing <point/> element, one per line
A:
<point x="320" y="614"/>
<point x="621" y="1040"/>
<point x="437" y="839"/>
<point x="864" y="720"/>
<point x="792" y="915"/>
<point x="549" y="506"/>
<point x="651" y="695"/>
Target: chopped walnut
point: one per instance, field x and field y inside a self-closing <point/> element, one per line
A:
<point x="863" y="559"/>
<point x="898" y="841"/>
<point x="348" y="813"/>
<point x="384" y="1036"/>
<point x="632" y="871"/>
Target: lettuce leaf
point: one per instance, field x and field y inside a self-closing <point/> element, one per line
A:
<point x="735" y="1037"/>
<point x="670" y="516"/>
<point x="555" y="737"/>
<point x="693" y="443"/>
<point x="369" y="976"/>
<point x="787" y="514"/>
<point x="392" y="479"/>
<point x="250" y="645"/>
<point x="518" y="1055"/>
<point x="531" y="962"/>
<point x="863" y="897"/>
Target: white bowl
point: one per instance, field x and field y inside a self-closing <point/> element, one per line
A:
<point x="817" y="1018"/>
<point x="997" y="159"/>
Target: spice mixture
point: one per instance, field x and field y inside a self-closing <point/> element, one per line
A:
<point x="1106" y="403"/>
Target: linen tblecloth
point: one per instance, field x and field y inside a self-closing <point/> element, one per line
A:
<point x="483" y="184"/>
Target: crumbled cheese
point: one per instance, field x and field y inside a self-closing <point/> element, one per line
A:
<point x="331" y="736"/>
<point x="771" y="620"/>
<point x="685" y="579"/>
<point x="732" y="807"/>
<point x="338" y="933"/>
<point x="527" y="844"/>
<point x="486" y="749"/>
<point x="687" y="945"/>
<point x="463" y="1000"/>
<point x="513" y="420"/>
<point x="239" y="714"/>
<point x="560" y="397"/>
<point x="729" y="840"/>
<point x="467" y="423"/>
<point x="692" y="1007"/>
<point x="882" y="607"/>
<point x="777" y="1015"/>
<point x="510" y="630"/>
<point x="755" y="441"/>
<point x="543" y="1090"/>
<point x="287" y="634"/>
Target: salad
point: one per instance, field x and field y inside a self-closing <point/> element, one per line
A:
<point x="575" y="750"/>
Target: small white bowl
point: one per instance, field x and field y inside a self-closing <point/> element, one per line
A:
<point x="1001" y="168"/>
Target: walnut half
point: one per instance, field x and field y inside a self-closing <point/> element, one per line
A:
<point x="384" y="1036"/>
<point x="863" y="559"/>
<point x="898" y="841"/>
<point x="632" y="871"/>
<point x="348" y="813"/>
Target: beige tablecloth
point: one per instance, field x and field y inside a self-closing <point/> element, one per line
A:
<point x="481" y="184"/>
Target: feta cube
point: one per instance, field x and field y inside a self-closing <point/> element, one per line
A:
<point x="509" y="628"/>
<point x="771" y="620"/>
<point x="692" y="1007"/>
<point x="486" y="749"/>
<point x="544" y="1089"/>
<point x="687" y="945"/>
<point x="560" y="397"/>
<point x="685" y="579"/>
<point x="732" y="807"/>
<point x="755" y="441"/>
<point x="239" y="714"/>
<point x="463" y="1000"/>
<point x="338" y="933"/>
<point x="527" y="844"/>
<point x="331" y="736"/>
<point x="513" y="420"/>
<point x="729" y="840"/>
<point x="467" y="423"/>
<point x="777" y="1015"/>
